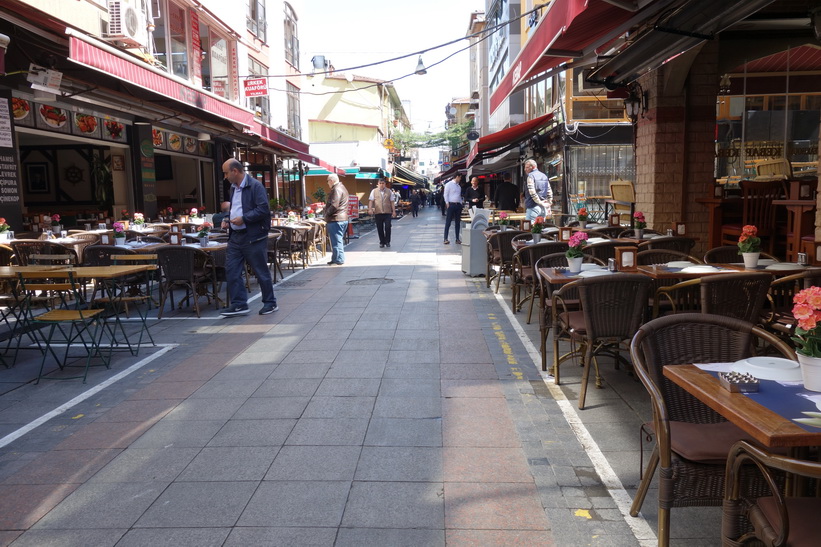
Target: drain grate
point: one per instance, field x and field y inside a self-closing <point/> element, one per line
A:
<point x="371" y="281"/>
<point x="295" y="283"/>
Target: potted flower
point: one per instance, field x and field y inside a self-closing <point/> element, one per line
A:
<point x="119" y="233"/>
<point x="194" y="213"/>
<point x="139" y="221"/>
<point x="639" y="224"/>
<point x="205" y="227"/>
<point x="574" y="253"/>
<point x="536" y="229"/>
<point x="55" y="223"/>
<point x="169" y="212"/>
<point x="125" y="215"/>
<point x="749" y="246"/>
<point x="504" y="221"/>
<point x="582" y="216"/>
<point x="291" y="218"/>
<point x="4" y="229"/>
<point x="807" y="312"/>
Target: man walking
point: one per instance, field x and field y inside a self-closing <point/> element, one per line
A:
<point x="383" y="208"/>
<point x="336" y="217"/>
<point x="538" y="195"/>
<point x="249" y="220"/>
<point x="452" y="197"/>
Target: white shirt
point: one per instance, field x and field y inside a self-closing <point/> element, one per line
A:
<point x="236" y="205"/>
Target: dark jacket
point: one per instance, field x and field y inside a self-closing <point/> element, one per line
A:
<point x="336" y="206"/>
<point x="506" y="196"/>
<point x="256" y="213"/>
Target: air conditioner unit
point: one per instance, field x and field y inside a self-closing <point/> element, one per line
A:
<point x="585" y="86"/>
<point x="126" y="24"/>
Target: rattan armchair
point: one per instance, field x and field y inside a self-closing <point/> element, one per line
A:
<point x="648" y="257"/>
<point x="603" y="249"/>
<point x="691" y="440"/>
<point x="741" y="295"/>
<point x="728" y="254"/>
<point x="673" y="243"/>
<point x="631" y="232"/>
<point x="777" y="316"/>
<point x="777" y="520"/>
<point x="189" y="268"/>
<point x="25" y="250"/>
<point x="524" y="276"/>
<point x="500" y="253"/>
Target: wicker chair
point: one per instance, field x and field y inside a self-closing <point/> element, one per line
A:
<point x="741" y="295"/>
<point x="777" y="316"/>
<point x="776" y="519"/>
<point x="85" y="239"/>
<point x="611" y="232"/>
<point x="500" y="253"/>
<point x="186" y="267"/>
<point x="273" y="254"/>
<point x="613" y="308"/>
<point x="522" y="272"/>
<point x="7" y="257"/>
<point x="728" y="254"/>
<point x="570" y="300"/>
<point x="672" y="243"/>
<point x="603" y="249"/>
<point x="692" y="441"/>
<point x="631" y="233"/>
<point x="30" y="252"/>
<point x="648" y="257"/>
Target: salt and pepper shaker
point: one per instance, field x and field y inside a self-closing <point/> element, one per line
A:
<point x="669" y="232"/>
<point x="611" y="264"/>
<point x="802" y="259"/>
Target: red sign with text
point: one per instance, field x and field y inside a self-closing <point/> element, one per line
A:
<point x="256" y="87"/>
<point x="353" y="207"/>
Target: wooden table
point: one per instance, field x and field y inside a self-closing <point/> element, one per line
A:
<point x="765" y="426"/>
<point x="560" y="276"/>
<point x="660" y="271"/>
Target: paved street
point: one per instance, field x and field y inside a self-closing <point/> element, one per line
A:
<point x="390" y="401"/>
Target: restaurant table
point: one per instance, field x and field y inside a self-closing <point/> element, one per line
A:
<point x="560" y="276"/>
<point x="662" y="271"/>
<point x="797" y="210"/>
<point x="765" y="425"/>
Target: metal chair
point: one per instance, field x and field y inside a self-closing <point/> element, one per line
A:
<point x="691" y="440"/>
<point x="776" y="519"/>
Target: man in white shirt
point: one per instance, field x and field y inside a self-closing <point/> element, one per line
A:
<point x="538" y="195"/>
<point x="453" y="199"/>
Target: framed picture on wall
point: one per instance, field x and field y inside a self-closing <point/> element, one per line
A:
<point x="37" y="178"/>
<point x="118" y="162"/>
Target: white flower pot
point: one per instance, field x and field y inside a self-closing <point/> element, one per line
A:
<point x="204" y="241"/>
<point x="810" y="371"/>
<point x="574" y="265"/>
<point x="582" y="224"/>
<point x="119" y="241"/>
<point x="537" y="238"/>
<point x="750" y="259"/>
<point x="639" y="233"/>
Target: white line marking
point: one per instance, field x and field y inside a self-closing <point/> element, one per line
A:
<point x="14" y="435"/>
<point x="638" y="525"/>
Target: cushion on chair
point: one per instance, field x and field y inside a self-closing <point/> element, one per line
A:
<point x="575" y="321"/>
<point x="705" y="443"/>
<point x="803" y="514"/>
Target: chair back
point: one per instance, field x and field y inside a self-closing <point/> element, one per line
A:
<point x="6" y="256"/>
<point x="757" y="200"/>
<point x="603" y="249"/>
<point x="607" y="231"/>
<point x="674" y="243"/>
<point x="614" y="306"/>
<point x="631" y="232"/>
<point x="662" y="256"/>
<point x="178" y="262"/>
<point x="623" y="192"/>
<point x="780" y="168"/>
<point x="727" y="254"/>
<point x="740" y="295"/>
<point x="85" y="239"/>
<point x="500" y="246"/>
<point x="100" y="255"/>
<point x="24" y="250"/>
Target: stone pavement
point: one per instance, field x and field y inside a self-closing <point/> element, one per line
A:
<point x="390" y="401"/>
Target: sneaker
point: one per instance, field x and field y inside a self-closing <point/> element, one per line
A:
<point x="235" y="310"/>
<point x="447" y="242"/>
<point x="387" y="244"/>
<point x="382" y="245"/>
<point x="458" y="241"/>
<point x="268" y="308"/>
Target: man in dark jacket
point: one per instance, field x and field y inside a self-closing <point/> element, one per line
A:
<point x="506" y="197"/>
<point x="336" y="217"/>
<point x="249" y="221"/>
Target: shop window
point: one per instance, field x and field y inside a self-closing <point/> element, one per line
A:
<point x="220" y="67"/>
<point x="255" y="19"/>
<point x="260" y="105"/>
<point x="596" y="109"/>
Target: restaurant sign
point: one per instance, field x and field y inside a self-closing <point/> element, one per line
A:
<point x="255" y="87"/>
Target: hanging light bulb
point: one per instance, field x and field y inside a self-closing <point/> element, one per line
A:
<point x="420" y="67"/>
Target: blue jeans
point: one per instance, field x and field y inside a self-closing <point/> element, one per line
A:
<point x="454" y="215"/>
<point x="536" y="211"/>
<point x="336" y="232"/>
<point x="255" y="253"/>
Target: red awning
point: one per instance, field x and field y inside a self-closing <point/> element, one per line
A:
<point x="568" y="27"/>
<point x="498" y="142"/>
<point x="458" y="165"/>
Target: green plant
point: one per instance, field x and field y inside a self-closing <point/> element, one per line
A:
<point x="320" y="195"/>
<point x="103" y="180"/>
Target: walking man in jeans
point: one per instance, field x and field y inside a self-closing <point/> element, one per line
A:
<point x="249" y="220"/>
<point x="452" y="196"/>
<point x="336" y="216"/>
<point x="382" y="206"/>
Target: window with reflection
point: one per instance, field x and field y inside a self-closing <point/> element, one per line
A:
<point x="170" y="43"/>
<point x="291" y="37"/>
<point x="294" y="122"/>
<point x="255" y="19"/>
<point x="220" y="66"/>
<point x="260" y="105"/>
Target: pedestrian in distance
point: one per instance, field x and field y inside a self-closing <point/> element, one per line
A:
<point x="249" y="220"/>
<point x="416" y="201"/>
<point x="506" y="196"/>
<point x="452" y="196"/>
<point x="336" y="219"/>
<point x="383" y="208"/>
<point x="538" y="195"/>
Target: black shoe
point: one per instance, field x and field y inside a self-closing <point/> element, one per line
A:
<point x="268" y="308"/>
<point x="382" y="245"/>
<point x="458" y="241"/>
<point x="235" y="310"/>
<point x="447" y="242"/>
<point x="387" y="244"/>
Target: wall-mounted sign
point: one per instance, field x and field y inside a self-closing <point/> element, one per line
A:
<point x="255" y="87"/>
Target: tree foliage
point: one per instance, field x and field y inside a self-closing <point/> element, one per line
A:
<point x="451" y="137"/>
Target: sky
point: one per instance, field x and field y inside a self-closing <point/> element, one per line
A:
<point x="357" y="32"/>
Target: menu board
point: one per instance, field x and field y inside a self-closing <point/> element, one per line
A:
<point x="9" y="165"/>
<point x="86" y="125"/>
<point x="52" y="118"/>
<point x="21" y="109"/>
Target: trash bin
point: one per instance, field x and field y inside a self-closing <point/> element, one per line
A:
<point x="474" y="252"/>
